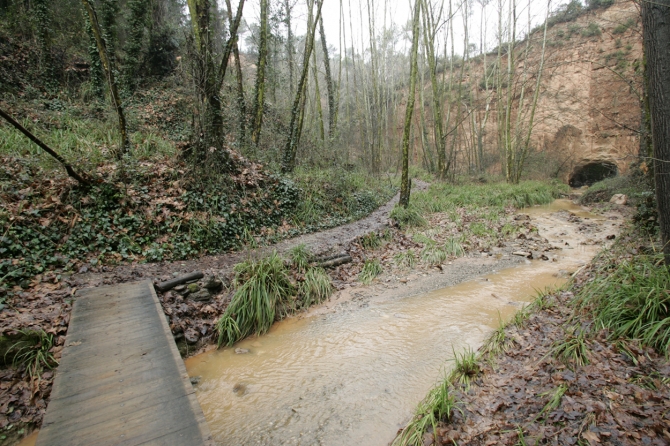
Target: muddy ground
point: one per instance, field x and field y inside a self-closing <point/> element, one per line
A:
<point x="48" y="304"/>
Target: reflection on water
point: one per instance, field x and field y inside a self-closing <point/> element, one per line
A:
<point x="354" y="376"/>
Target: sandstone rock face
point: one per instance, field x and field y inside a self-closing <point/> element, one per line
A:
<point x="588" y="113"/>
<point x="590" y="110"/>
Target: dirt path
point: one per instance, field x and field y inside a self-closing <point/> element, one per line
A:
<point x="331" y="240"/>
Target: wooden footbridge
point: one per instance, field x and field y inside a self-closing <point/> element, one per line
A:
<point x="121" y="380"/>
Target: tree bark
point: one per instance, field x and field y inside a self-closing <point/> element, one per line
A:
<point x="329" y="82"/>
<point x="295" y="126"/>
<point x="234" y="24"/>
<point x="110" y="70"/>
<point x="656" y="39"/>
<point x="70" y="171"/>
<point x="405" y="181"/>
<point x="260" y="76"/>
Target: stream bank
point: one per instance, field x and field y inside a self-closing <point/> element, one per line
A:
<point x="352" y="370"/>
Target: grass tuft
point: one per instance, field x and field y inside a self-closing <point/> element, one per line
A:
<point x="371" y="269"/>
<point x="555" y="398"/>
<point x="300" y="257"/>
<point x="632" y="300"/>
<point x="433" y="255"/>
<point x="466" y="367"/>
<point x="405" y="259"/>
<point x="409" y="217"/>
<point x="370" y="241"/>
<point x="262" y="285"/>
<point x="32" y="351"/>
<point x="440" y="404"/>
<point x="316" y="287"/>
<point x="572" y="349"/>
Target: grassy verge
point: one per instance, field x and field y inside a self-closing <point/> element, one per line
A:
<point x="613" y="316"/>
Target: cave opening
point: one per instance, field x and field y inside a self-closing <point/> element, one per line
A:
<point x="591" y="173"/>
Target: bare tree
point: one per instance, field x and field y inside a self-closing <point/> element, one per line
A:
<point x="405" y="182"/>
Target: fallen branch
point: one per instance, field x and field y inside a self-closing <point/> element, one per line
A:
<point x="337" y="261"/>
<point x="169" y="284"/>
<point x="70" y="171"/>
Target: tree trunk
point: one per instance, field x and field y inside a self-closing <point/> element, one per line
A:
<point x="656" y="39"/>
<point x="260" y="76"/>
<point x="241" y="103"/>
<point x="295" y="126"/>
<point x="82" y="179"/>
<point x="110" y="70"/>
<point x="329" y="82"/>
<point x="405" y="181"/>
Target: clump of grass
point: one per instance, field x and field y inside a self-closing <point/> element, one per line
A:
<point x="316" y="287"/>
<point x="543" y="301"/>
<point x="370" y="241"/>
<point x="438" y="405"/>
<point x="466" y="367"/>
<point x="555" y="398"/>
<point x="371" y="269"/>
<point x="572" y="349"/>
<point x="423" y="239"/>
<point x="300" y="257"/>
<point x="433" y="255"/>
<point x="32" y="351"/>
<point x="405" y="259"/>
<point x="521" y="317"/>
<point x="262" y="285"/>
<point x="409" y="217"/>
<point x="453" y="247"/>
<point x="632" y="300"/>
<point x="499" y="342"/>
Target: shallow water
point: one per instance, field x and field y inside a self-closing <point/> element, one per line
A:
<point x="354" y="376"/>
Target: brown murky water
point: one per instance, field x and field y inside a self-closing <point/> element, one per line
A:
<point x="354" y="376"/>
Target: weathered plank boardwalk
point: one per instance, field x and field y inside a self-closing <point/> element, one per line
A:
<point x="121" y="379"/>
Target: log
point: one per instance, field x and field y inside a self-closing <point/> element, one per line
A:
<point x="322" y="259"/>
<point x="169" y="284"/>
<point x="336" y="261"/>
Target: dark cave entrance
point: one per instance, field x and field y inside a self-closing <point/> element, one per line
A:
<point x="591" y="173"/>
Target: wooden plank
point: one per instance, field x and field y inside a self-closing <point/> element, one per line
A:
<point x="121" y="379"/>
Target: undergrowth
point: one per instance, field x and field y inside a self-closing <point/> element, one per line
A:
<point x="630" y="298"/>
<point x="264" y="292"/>
<point x="31" y="351"/>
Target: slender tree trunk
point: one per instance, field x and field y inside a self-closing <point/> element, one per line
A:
<point x="329" y="82"/>
<point x="656" y="38"/>
<point x="208" y="91"/>
<point x="43" y="20"/>
<point x="110" y="71"/>
<point x="289" y="49"/>
<point x="405" y="181"/>
<point x="295" y="126"/>
<point x="260" y="76"/>
<point x="136" y="27"/>
<point x="82" y="179"/>
<point x="241" y="102"/>
<point x="317" y="98"/>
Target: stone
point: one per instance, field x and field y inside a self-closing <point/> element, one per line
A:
<point x="241" y="351"/>
<point x="193" y="287"/>
<point x="180" y="288"/>
<point x="619" y="199"/>
<point x="192" y="336"/>
<point x="195" y="380"/>
<point x="212" y="283"/>
<point x="523" y="254"/>
<point x="200" y="296"/>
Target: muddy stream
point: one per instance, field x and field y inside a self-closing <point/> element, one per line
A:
<point x="353" y="376"/>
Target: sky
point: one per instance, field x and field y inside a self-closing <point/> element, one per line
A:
<point x="398" y="12"/>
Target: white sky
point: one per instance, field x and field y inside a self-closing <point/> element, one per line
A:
<point x="398" y="12"/>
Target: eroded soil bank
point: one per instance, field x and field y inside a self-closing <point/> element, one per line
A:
<point x="352" y="370"/>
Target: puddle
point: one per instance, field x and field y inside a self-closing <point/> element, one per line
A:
<point x="355" y="376"/>
<point x="29" y="440"/>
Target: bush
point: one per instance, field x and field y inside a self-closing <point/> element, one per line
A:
<point x="591" y="30"/>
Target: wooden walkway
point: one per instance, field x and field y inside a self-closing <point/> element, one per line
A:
<point x="121" y="379"/>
